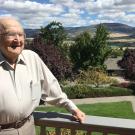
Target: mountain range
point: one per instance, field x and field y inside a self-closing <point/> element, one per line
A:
<point x="73" y="31"/>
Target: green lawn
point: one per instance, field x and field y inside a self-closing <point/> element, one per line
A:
<point x="115" y="109"/>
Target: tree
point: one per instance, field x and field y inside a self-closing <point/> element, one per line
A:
<point x="53" y="33"/>
<point x="80" y="51"/>
<point x="90" y="52"/>
<point x="128" y="63"/>
<point x="116" y="52"/>
<point x="101" y="49"/>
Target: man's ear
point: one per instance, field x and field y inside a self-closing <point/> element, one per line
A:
<point x="0" y="33"/>
<point x="2" y="30"/>
<point x="1" y="39"/>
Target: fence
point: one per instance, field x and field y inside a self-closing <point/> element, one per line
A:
<point x="104" y="125"/>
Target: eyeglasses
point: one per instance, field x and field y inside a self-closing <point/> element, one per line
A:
<point x="11" y="35"/>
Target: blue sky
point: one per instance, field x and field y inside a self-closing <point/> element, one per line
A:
<point x="71" y="13"/>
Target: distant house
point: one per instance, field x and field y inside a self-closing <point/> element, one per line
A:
<point x="28" y="41"/>
<point x="112" y="66"/>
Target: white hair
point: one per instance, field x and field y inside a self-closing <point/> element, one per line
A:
<point x="4" y="24"/>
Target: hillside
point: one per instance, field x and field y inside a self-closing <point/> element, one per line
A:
<point x="112" y="28"/>
<point x="120" y="28"/>
<point x="73" y="31"/>
<point x="30" y="33"/>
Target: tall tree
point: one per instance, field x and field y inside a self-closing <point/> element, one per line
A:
<point x="80" y="51"/>
<point x="101" y="49"/>
<point x="89" y="51"/>
<point x="53" y="33"/>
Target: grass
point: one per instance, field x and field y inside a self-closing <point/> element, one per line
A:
<point x="115" y="109"/>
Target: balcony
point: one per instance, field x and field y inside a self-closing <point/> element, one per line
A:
<point x="103" y="125"/>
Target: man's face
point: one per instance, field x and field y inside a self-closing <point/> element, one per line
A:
<point x="12" y="40"/>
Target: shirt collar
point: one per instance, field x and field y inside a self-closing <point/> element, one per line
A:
<point x="2" y="59"/>
<point x="20" y="60"/>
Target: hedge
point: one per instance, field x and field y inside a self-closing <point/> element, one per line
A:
<point x="85" y="91"/>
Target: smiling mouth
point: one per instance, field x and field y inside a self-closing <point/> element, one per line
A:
<point x="14" y="46"/>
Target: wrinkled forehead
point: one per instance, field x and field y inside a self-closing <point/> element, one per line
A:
<point x="10" y="24"/>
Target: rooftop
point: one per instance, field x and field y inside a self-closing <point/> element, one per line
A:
<point x="112" y="63"/>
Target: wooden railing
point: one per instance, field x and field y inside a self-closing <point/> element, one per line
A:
<point x="104" y="125"/>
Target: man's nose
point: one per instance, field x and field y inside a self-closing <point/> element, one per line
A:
<point x="17" y="37"/>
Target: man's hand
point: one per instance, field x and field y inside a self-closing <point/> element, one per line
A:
<point x="79" y="115"/>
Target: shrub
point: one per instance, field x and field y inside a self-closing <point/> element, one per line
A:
<point x="123" y="85"/>
<point x="85" y="91"/>
<point x="128" y="63"/>
<point x="128" y="85"/>
<point x="116" y="52"/>
<point x="132" y="87"/>
<point x="77" y="91"/>
<point x="53" y="58"/>
<point x="94" y="76"/>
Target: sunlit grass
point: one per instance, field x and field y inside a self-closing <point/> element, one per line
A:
<point x="114" y="109"/>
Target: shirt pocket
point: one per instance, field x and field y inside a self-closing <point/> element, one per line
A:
<point x="36" y="91"/>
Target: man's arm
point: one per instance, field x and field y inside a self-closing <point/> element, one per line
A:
<point x="52" y="94"/>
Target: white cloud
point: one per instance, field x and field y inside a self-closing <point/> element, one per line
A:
<point x="111" y="15"/>
<point x="70" y="15"/>
<point x="29" y="6"/>
<point x="127" y="2"/>
<point x="70" y="12"/>
<point x="29" y="12"/>
<point x="72" y="22"/>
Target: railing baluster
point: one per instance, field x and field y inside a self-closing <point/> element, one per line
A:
<point x="58" y="131"/>
<point x="73" y="132"/>
<point x="105" y="133"/>
<point x="89" y="132"/>
<point x="43" y="130"/>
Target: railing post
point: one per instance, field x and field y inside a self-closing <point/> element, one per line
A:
<point x="89" y="132"/>
<point x="105" y="133"/>
<point x="43" y="130"/>
<point x="58" y="131"/>
<point x="73" y="132"/>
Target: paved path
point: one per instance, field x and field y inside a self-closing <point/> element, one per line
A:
<point x="105" y="100"/>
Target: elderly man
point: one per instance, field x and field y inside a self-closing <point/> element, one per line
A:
<point x="25" y="79"/>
